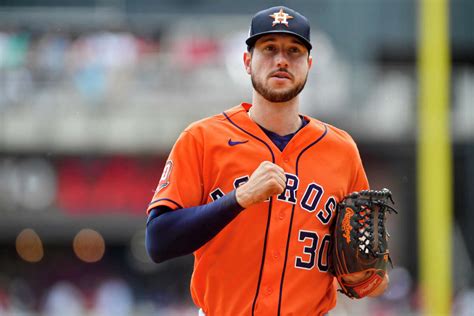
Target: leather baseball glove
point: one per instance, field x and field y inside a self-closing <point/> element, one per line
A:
<point x="360" y="240"/>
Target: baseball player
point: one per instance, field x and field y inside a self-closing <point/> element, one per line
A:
<point x="252" y="192"/>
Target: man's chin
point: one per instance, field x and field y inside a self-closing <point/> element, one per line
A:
<point x="279" y="97"/>
<point x="277" y="93"/>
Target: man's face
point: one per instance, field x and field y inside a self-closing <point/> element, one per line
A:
<point x="278" y="66"/>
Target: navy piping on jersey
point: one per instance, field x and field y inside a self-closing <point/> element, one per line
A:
<point x="282" y="141"/>
<point x="292" y="215"/>
<point x="169" y="200"/>
<point x="268" y="218"/>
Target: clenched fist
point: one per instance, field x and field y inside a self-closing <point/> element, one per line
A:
<point x="267" y="180"/>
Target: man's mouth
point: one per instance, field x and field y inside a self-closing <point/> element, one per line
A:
<point x="281" y="74"/>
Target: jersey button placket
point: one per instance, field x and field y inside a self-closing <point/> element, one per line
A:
<point x="268" y="291"/>
<point x="281" y="215"/>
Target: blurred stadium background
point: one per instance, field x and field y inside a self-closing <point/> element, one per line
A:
<point x="93" y="94"/>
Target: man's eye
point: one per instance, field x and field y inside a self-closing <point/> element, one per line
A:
<point x="294" y="50"/>
<point x="269" y="48"/>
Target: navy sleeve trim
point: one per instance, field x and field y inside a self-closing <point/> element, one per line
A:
<point x="169" y="200"/>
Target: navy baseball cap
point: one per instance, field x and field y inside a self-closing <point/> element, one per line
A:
<point x="279" y="20"/>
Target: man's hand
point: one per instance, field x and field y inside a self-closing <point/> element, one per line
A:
<point x="267" y="180"/>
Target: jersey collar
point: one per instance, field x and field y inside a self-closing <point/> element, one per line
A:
<point x="305" y="136"/>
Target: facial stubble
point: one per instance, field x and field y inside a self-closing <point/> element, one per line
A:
<point x="277" y="97"/>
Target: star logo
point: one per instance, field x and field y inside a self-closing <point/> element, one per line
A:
<point x="280" y="18"/>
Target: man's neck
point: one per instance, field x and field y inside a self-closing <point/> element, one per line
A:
<point x="280" y="118"/>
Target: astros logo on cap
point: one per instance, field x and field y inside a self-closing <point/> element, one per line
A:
<point x="281" y="18"/>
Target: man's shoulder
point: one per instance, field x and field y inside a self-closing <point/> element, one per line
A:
<point x="210" y="123"/>
<point x="204" y="123"/>
<point x="336" y="135"/>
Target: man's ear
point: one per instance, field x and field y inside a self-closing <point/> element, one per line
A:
<point x="248" y="62"/>
<point x="310" y="61"/>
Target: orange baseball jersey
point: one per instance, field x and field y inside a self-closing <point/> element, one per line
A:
<point x="272" y="259"/>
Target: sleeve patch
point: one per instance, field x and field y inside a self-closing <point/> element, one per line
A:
<point x="165" y="176"/>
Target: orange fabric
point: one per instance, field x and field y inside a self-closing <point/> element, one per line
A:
<point x="290" y="233"/>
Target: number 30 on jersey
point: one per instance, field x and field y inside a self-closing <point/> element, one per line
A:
<point x="315" y="251"/>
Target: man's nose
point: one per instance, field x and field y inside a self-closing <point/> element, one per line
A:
<point x="281" y="60"/>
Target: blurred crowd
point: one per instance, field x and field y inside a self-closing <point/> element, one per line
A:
<point x="83" y="61"/>
<point x="88" y="63"/>
<point x="110" y="297"/>
<point x="115" y="296"/>
<point x="60" y="284"/>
